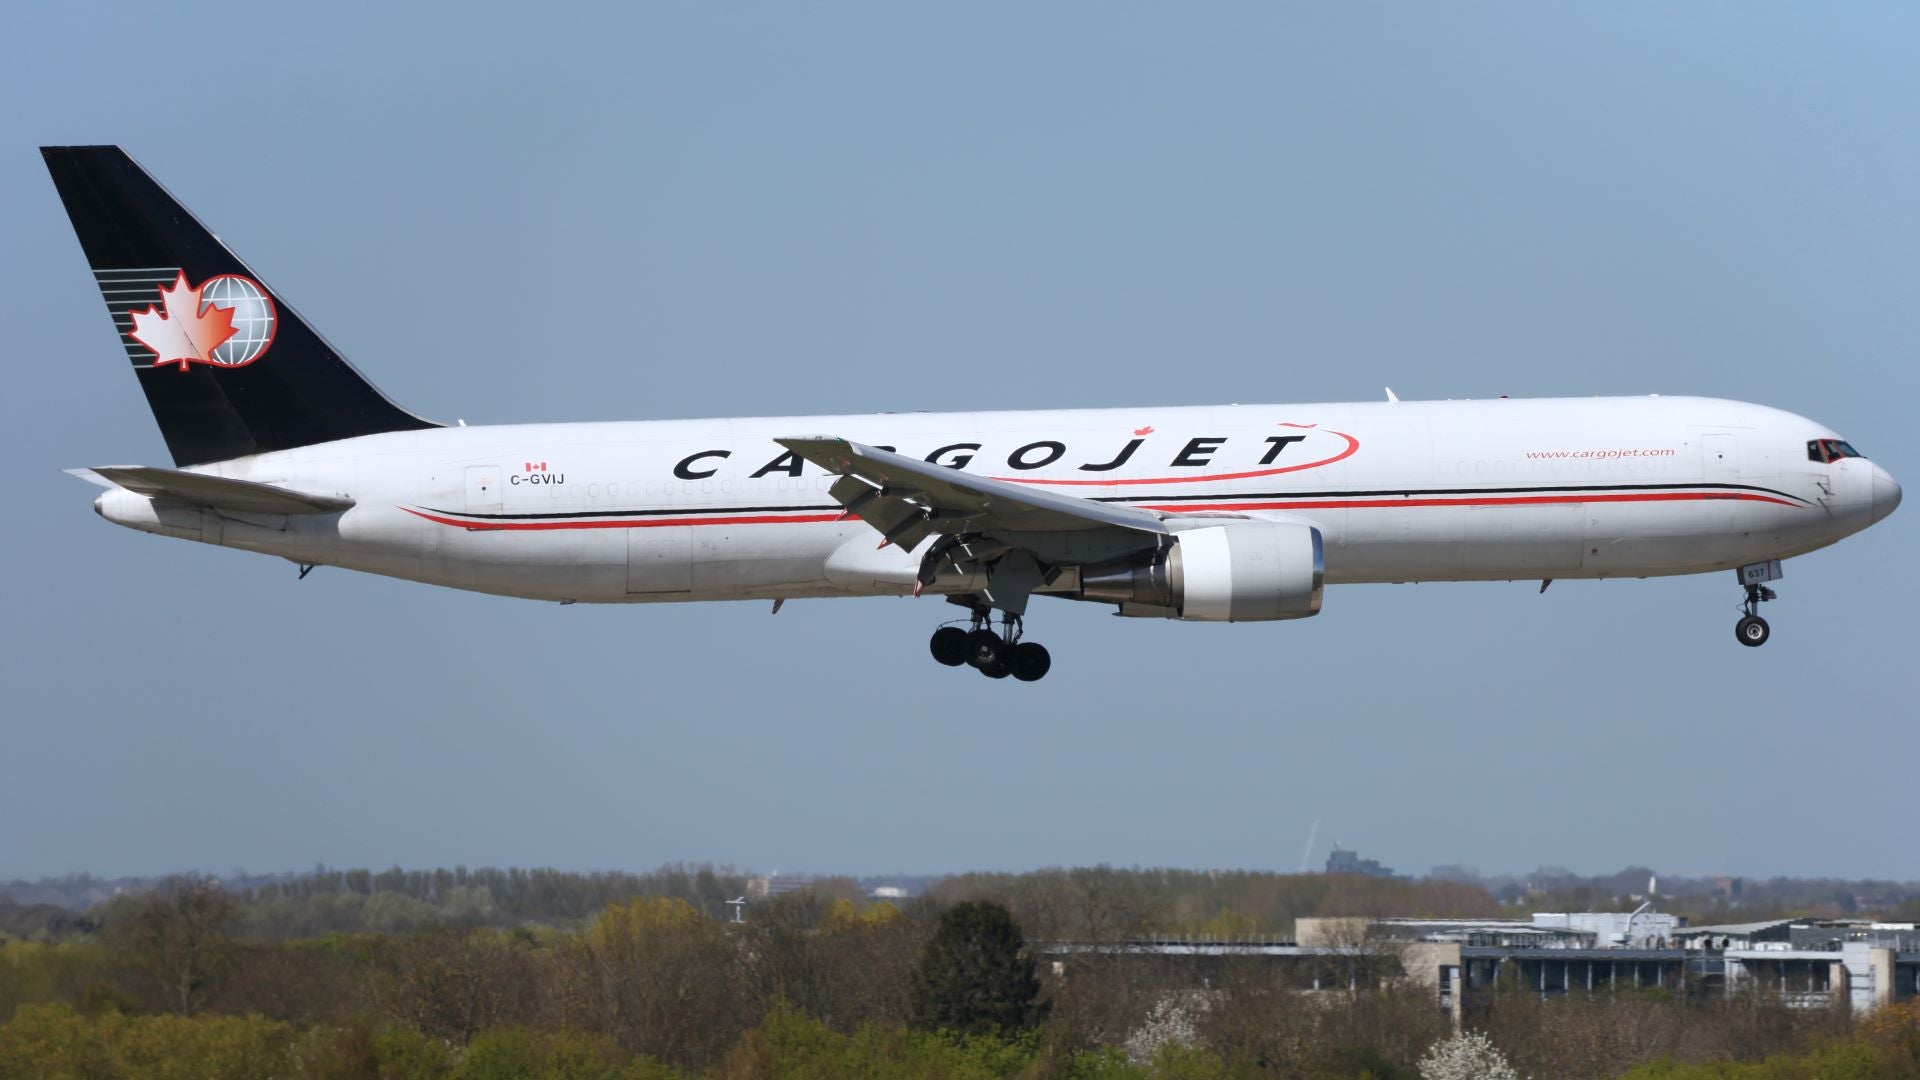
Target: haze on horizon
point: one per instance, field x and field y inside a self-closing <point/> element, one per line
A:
<point x="682" y="212"/>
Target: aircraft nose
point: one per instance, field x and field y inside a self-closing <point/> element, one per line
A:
<point x="1886" y="493"/>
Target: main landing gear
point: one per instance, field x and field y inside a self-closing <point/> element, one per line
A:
<point x="995" y="655"/>
<point x="1752" y="630"/>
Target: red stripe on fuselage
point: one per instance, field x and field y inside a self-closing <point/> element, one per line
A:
<point x="622" y="523"/>
<point x="1179" y="508"/>
<point x="1514" y="500"/>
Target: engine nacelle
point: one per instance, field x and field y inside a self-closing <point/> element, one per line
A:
<point x="1244" y="572"/>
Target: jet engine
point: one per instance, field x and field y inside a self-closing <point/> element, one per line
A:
<point x="1243" y="572"/>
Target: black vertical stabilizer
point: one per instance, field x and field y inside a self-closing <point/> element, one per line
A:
<point x="245" y="380"/>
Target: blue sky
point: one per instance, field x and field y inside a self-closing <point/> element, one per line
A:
<point x="504" y="213"/>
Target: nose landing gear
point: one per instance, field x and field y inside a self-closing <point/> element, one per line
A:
<point x="995" y="655"/>
<point x="1752" y="630"/>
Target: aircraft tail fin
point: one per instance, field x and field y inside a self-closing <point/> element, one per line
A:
<point x="228" y="367"/>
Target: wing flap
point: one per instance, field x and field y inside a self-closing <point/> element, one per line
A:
<point x="897" y="516"/>
<point x="216" y="492"/>
<point x="894" y="492"/>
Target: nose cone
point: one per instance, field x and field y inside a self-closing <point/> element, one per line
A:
<point x="1886" y="493"/>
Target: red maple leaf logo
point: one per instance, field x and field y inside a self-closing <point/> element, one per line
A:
<point x="188" y="331"/>
<point x="1143" y="430"/>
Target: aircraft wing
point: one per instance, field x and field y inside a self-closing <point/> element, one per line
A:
<point x="906" y="498"/>
<point x="218" y="492"/>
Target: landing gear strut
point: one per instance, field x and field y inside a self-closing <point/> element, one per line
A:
<point x="1752" y="630"/>
<point x="995" y="655"/>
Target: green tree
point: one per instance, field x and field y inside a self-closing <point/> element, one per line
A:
<point x="975" y="976"/>
<point x="179" y="935"/>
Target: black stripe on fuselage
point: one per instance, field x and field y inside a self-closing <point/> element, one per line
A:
<point x="676" y="511"/>
<point x="683" y="511"/>
<point x="1410" y="492"/>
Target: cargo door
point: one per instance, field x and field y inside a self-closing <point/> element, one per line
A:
<point x="660" y="560"/>
<point x="1525" y="541"/>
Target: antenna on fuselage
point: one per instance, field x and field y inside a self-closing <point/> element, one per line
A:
<point x="1391" y="396"/>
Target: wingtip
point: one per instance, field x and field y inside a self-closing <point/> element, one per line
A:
<point x="90" y="477"/>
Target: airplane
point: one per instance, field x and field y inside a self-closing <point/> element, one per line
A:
<point x="1237" y="513"/>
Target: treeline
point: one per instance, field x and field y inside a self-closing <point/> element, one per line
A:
<point x="1090" y="903"/>
<point x="41" y="922"/>
<point x="1701" y="899"/>
<point x="1082" y="904"/>
<point x="1178" y="901"/>
<point x="398" y="901"/>
<point x="550" y="894"/>
<point x="1826" y="898"/>
<point x="514" y="894"/>
<point x="1105" y="904"/>
<point x="953" y="986"/>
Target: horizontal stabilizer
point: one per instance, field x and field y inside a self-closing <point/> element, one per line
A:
<point x="217" y="492"/>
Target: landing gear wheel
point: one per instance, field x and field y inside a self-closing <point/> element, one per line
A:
<point x="985" y="649"/>
<point x="996" y="670"/>
<point x="949" y="646"/>
<point x="1752" y="630"/>
<point x="1029" y="661"/>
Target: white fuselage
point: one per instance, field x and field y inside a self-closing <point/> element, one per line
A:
<point x="1401" y="491"/>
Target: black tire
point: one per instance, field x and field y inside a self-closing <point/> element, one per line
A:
<point x="949" y="646"/>
<point x="1752" y="631"/>
<point x="1029" y="661"/>
<point x="985" y="649"/>
<point x="996" y="670"/>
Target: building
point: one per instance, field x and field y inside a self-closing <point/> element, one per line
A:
<point x="1866" y="963"/>
<point x="1735" y="935"/>
<point x="1342" y="861"/>
<point x="777" y="884"/>
<point x="1861" y="965"/>
<point x="1471" y="963"/>
<point x="1587" y="929"/>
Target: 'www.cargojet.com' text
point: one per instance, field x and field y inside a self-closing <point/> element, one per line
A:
<point x="1598" y="453"/>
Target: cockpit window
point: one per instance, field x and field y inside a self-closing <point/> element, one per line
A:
<point x="1827" y="451"/>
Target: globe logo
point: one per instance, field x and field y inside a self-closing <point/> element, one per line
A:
<point x="254" y="319"/>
